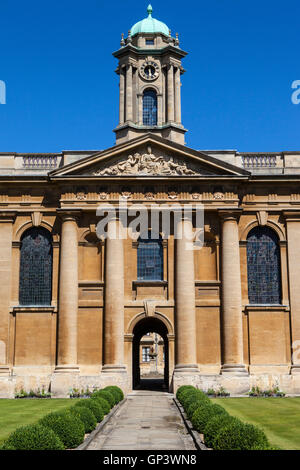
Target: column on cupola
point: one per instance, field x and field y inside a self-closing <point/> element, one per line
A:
<point x="177" y="96"/>
<point x="7" y="219"/>
<point x="122" y="97"/>
<point x="114" y="299"/>
<point x="185" y="357"/>
<point x="68" y="294"/>
<point x="171" y="93"/>
<point x="129" y="109"/>
<point x="232" y="326"/>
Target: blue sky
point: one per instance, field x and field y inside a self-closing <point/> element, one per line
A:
<point x="62" y="92"/>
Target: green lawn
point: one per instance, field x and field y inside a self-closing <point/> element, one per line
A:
<point x="16" y="413"/>
<point x="278" y="417"/>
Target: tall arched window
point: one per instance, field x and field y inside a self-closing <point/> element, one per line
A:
<point x="263" y="261"/>
<point x="150" y="259"/>
<point x="149" y="108"/>
<point x="36" y="267"/>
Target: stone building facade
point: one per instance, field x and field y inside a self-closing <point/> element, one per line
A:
<point x="74" y="307"/>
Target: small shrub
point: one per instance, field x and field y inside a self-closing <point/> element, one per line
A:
<point x="194" y="406"/>
<point x="203" y="414"/>
<point x="115" y="390"/>
<point x="182" y="389"/>
<point x="33" y="437"/>
<point x="240" y="436"/>
<point x="214" y="425"/>
<point x="94" y="407"/>
<point x="68" y="427"/>
<point x="106" y="395"/>
<point x="103" y="403"/>
<point x="86" y="417"/>
<point x="192" y="395"/>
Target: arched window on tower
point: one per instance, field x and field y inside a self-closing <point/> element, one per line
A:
<point x="150" y="259"/>
<point x="35" y="287"/>
<point x="149" y="108"/>
<point x="264" y="270"/>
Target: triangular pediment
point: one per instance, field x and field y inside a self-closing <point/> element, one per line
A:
<point x="148" y="156"/>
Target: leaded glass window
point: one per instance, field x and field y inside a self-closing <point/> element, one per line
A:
<point x="36" y="267"/>
<point x="150" y="108"/>
<point x="263" y="261"/>
<point x="146" y="352"/>
<point x="150" y="260"/>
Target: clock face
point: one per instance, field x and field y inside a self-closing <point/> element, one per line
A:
<point x="149" y="70"/>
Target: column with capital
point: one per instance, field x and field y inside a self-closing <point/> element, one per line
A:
<point x="232" y="326"/>
<point x="171" y="93"/>
<point x="7" y="219"/>
<point x="177" y="96"/>
<point x="122" y="98"/>
<point x="185" y="343"/>
<point x="68" y="295"/>
<point x="129" y="108"/>
<point x="293" y="230"/>
<point x="114" y="300"/>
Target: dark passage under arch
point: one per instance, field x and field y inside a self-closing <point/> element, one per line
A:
<point x="144" y="326"/>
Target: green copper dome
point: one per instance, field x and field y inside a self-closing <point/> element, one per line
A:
<point x="150" y="25"/>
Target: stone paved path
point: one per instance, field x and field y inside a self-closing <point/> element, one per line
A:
<point x="147" y="420"/>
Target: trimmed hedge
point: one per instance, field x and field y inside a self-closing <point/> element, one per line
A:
<point x="203" y="414"/>
<point x="182" y="389"/>
<point x="68" y="427"/>
<point x="33" y="437"/>
<point x="221" y="431"/>
<point x="240" y="436"/>
<point x="94" y="407"/>
<point x="106" y="395"/>
<point x="194" y="406"/>
<point x="214" y="425"/>
<point x="86" y="416"/>
<point x="190" y="396"/>
<point x="103" y="403"/>
<point x="116" y="391"/>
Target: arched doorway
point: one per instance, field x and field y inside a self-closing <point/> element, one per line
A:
<point x="144" y="326"/>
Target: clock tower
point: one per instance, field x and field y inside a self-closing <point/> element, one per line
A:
<point x="150" y="69"/>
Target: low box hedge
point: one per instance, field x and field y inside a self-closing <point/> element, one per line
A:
<point x="86" y="416"/>
<point x="103" y="403"/>
<point x="106" y="395"/>
<point x="94" y="407"/>
<point x="33" y="437"/>
<point x="66" y="426"/>
<point x="240" y="436"/>
<point x="116" y="391"/>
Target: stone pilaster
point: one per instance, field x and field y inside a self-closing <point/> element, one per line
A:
<point x="293" y="229"/>
<point x="129" y="109"/>
<point x="6" y="225"/>
<point x="185" y="321"/>
<point x="171" y="93"/>
<point x="232" y="326"/>
<point x="177" y="96"/>
<point x="114" y="300"/>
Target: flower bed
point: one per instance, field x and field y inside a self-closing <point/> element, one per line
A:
<point x="32" y="394"/>
<point x="274" y="392"/>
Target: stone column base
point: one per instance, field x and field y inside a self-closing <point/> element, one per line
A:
<point x="185" y="374"/>
<point x="63" y="380"/>
<point x="115" y="375"/>
<point x="7" y="387"/>
<point x="295" y="369"/>
<point x="4" y="371"/>
<point x="115" y="369"/>
<point x="234" y="369"/>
